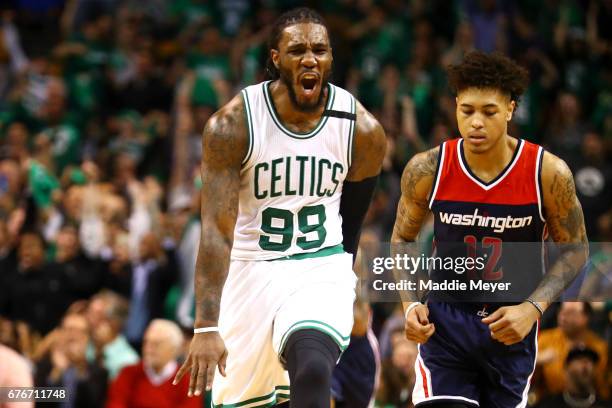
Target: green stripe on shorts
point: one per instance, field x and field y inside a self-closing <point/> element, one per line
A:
<point x="342" y="341"/>
<point x="278" y="393"/>
<point x="332" y="250"/>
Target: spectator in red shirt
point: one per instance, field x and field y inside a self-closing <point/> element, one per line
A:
<point x="149" y="383"/>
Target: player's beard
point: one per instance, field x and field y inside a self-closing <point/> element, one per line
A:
<point x="287" y="79"/>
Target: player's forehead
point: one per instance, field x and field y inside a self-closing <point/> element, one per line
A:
<point x="305" y="33"/>
<point x="482" y="97"/>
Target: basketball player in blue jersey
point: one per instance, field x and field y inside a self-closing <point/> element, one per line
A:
<point x="288" y="170"/>
<point x="487" y="187"/>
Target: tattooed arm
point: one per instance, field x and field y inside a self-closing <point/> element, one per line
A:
<point x="224" y="146"/>
<point x="417" y="182"/>
<point x="565" y="223"/>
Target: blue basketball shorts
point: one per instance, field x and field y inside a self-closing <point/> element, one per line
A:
<point x="462" y="363"/>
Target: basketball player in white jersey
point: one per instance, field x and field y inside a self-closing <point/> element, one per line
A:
<point x="288" y="169"/>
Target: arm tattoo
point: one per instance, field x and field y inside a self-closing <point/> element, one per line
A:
<point x="224" y="147"/>
<point x="565" y="222"/>
<point x="417" y="181"/>
<point x="568" y="225"/>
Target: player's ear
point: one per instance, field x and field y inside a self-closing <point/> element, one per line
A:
<point x="511" y="107"/>
<point x="275" y="55"/>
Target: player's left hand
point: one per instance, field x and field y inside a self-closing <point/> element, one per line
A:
<point x="510" y="324"/>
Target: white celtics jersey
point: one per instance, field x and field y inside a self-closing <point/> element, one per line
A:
<point x="291" y="182"/>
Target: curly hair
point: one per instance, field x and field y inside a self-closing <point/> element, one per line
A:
<point x="481" y="70"/>
<point x="289" y="18"/>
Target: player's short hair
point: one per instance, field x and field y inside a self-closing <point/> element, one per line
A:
<point x="289" y="18"/>
<point x="482" y="70"/>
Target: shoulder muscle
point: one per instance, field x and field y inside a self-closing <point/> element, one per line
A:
<point x="418" y="175"/>
<point x="225" y="139"/>
<point x="224" y="146"/>
<point x="417" y="180"/>
<point x="369" y="146"/>
<point x="562" y="208"/>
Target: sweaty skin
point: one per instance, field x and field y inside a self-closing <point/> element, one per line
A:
<point x="482" y="116"/>
<point x="225" y="144"/>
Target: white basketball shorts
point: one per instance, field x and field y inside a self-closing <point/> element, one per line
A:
<point x="262" y="304"/>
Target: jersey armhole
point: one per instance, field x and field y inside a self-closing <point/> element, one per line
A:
<point x="434" y="189"/>
<point x="352" y="129"/>
<point x="538" y="183"/>
<point x="249" y="121"/>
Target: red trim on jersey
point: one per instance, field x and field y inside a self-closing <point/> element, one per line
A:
<point x="516" y="187"/>
<point x="424" y="376"/>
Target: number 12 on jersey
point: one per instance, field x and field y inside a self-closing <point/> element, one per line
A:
<point x="490" y="273"/>
<point x="286" y="231"/>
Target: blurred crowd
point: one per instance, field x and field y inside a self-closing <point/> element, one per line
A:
<point x="102" y="103"/>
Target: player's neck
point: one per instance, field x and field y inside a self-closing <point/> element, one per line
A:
<point x="490" y="164"/>
<point x="287" y="111"/>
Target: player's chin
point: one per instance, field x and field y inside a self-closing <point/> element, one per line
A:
<point x="479" y="145"/>
<point x="308" y="102"/>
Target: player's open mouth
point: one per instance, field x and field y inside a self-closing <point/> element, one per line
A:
<point x="309" y="84"/>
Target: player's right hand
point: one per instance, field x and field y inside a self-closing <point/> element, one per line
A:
<point x="206" y="352"/>
<point x="418" y="327"/>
